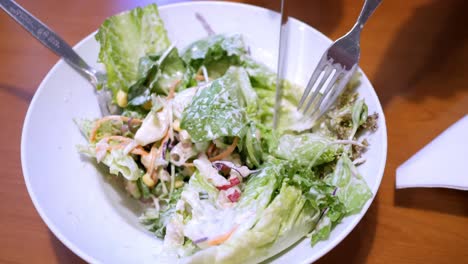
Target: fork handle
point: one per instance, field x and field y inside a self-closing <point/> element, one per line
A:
<point x="47" y="37"/>
<point x="367" y="10"/>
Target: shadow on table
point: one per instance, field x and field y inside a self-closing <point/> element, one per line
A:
<point x="322" y="15"/>
<point x="356" y="246"/>
<point x="425" y="50"/>
<point x="454" y="202"/>
<point x="62" y="253"/>
<point x="428" y="50"/>
<point x="16" y="91"/>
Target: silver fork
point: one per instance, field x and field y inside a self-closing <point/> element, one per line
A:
<point x="335" y="68"/>
<point x="56" y="44"/>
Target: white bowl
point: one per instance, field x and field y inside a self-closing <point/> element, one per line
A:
<point x="82" y="208"/>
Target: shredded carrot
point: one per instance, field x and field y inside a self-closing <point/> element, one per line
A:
<point x="220" y="239"/>
<point x="172" y="89"/>
<point x="98" y="123"/>
<point x="211" y="148"/>
<point x="119" y="146"/>
<point x="199" y="77"/>
<point x="154" y="152"/>
<point x="226" y="152"/>
<point x="139" y="151"/>
<point x="123" y="141"/>
<point x="118" y="138"/>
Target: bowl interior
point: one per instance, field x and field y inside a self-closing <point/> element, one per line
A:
<point x="76" y="199"/>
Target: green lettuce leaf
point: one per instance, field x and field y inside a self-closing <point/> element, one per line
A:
<point x="108" y="128"/>
<point x="157" y="220"/>
<point x="286" y="219"/>
<point x="158" y="73"/>
<point x="321" y="231"/>
<point x="260" y="189"/>
<point x="217" y="53"/>
<point x="117" y="161"/>
<point x="260" y="75"/>
<point x="358" y="116"/>
<point x="124" y="39"/>
<point x="85" y="126"/>
<point x="331" y="208"/>
<point x="306" y="149"/>
<point x="220" y="109"/>
<point x="320" y="195"/>
<point x="263" y="81"/>
<point x="253" y="146"/>
<point x="352" y="189"/>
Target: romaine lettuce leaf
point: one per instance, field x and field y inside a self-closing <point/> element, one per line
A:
<point x="111" y="127"/>
<point x="307" y="149"/>
<point x="124" y="39"/>
<point x="260" y="75"/>
<point x="253" y="146"/>
<point x="259" y="190"/>
<point x="157" y="74"/>
<point x="118" y="162"/>
<point x="321" y="195"/>
<point x="217" y="53"/>
<point x="209" y="218"/>
<point x="107" y="128"/>
<point x="181" y="100"/>
<point x="321" y="231"/>
<point x="157" y="220"/>
<point x="220" y="109"/>
<point x="85" y="126"/>
<point x="358" y="116"/>
<point x="285" y="220"/>
<point x="352" y="189"/>
<point x="331" y="208"/>
<point x="263" y="81"/>
<point x="172" y="69"/>
<point x="154" y="126"/>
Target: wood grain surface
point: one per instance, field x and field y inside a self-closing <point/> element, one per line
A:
<point x="414" y="52"/>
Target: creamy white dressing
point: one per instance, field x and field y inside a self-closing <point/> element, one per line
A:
<point x="209" y="220"/>
<point x="211" y="174"/>
<point x="154" y="127"/>
<point x="101" y="150"/>
<point x="159" y="161"/>
<point x="174" y="231"/>
<point x="181" y="152"/>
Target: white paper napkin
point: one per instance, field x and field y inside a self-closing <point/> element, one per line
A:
<point x="442" y="163"/>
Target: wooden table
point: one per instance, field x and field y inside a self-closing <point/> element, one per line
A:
<point x="414" y="52"/>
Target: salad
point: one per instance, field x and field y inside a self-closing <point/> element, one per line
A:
<point x="191" y="138"/>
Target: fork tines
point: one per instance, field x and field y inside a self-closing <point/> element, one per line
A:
<point x="326" y="83"/>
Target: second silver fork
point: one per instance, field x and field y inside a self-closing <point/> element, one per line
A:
<point x="335" y="68"/>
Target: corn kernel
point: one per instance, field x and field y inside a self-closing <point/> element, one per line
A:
<point x="148" y="181"/>
<point x="176" y="125"/>
<point x="122" y="99"/>
<point x="147" y="105"/>
<point x="179" y="184"/>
